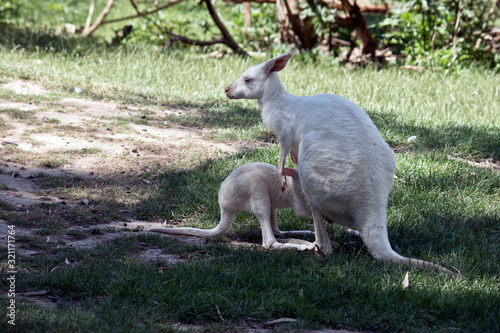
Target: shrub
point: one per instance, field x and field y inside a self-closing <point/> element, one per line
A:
<point x="8" y="11"/>
<point x="442" y="33"/>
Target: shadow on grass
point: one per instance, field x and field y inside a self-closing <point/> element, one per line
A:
<point x="45" y="40"/>
<point x="427" y="213"/>
<point x="466" y="140"/>
<point x="250" y="286"/>
<point x="350" y="289"/>
<point x="183" y="193"/>
<point x="217" y="113"/>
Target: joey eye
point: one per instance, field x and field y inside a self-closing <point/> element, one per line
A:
<point x="247" y="80"/>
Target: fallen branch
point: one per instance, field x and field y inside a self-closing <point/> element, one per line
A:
<point x="187" y="40"/>
<point x="420" y="68"/>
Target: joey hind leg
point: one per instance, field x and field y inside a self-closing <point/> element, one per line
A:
<point x="274" y="223"/>
<point x="269" y="228"/>
<point x="297" y="244"/>
<point x="267" y="218"/>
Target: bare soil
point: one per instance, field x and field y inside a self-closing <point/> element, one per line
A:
<point x="107" y="146"/>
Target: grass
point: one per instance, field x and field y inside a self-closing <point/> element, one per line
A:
<point x="344" y="290"/>
<point x="441" y="209"/>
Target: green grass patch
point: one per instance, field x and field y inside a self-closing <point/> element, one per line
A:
<point x="247" y="285"/>
<point x="17" y="114"/>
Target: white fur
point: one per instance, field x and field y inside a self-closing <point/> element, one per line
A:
<point x="256" y="187"/>
<point x="346" y="168"/>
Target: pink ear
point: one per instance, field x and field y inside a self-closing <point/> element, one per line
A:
<point x="278" y="63"/>
<point x="292" y="173"/>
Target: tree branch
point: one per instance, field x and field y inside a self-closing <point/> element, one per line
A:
<point x="455" y="33"/>
<point x="89" y="17"/>
<point x="139" y="14"/>
<point x="225" y="33"/>
<point x="132" y="2"/>
<point x="99" y="20"/>
<point x="226" y="36"/>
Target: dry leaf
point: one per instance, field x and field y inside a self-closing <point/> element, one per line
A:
<point x="220" y="315"/>
<point x="406" y="280"/>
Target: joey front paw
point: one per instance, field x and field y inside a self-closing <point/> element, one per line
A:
<point x="283" y="183"/>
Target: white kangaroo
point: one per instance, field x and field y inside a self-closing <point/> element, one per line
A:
<point x="256" y="187"/>
<point x="345" y="167"/>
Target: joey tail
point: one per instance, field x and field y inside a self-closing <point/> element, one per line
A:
<point x="225" y="222"/>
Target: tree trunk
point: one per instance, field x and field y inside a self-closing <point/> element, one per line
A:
<point x="247" y="13"/>
<point x="355" y="21"/>
<point x="291" y="28"/>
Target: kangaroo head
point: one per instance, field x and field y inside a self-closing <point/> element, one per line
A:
<point x="256" y="79"/>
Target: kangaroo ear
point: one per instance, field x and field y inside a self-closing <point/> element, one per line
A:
<point x="292" y="173"/>
<point x="278" y="63"/>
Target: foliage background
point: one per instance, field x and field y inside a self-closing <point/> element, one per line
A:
<point x="419" y="32"/>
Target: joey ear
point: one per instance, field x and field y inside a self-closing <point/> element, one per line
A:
<point x="278" y="63"/>
<point x="291" y="173"/>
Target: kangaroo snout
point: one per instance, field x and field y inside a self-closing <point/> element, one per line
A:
<point x="228" y="91"/>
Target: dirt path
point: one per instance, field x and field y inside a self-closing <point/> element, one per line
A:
<point x="84" y="141"/>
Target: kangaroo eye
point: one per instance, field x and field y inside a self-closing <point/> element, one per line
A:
<point x="247" y="80"/>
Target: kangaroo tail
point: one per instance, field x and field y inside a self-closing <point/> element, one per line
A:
<point x="383" y="250"/>
<point x="421" y="264"/>
<point x="376" y="240"/>
<point x="226" y="221"/>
